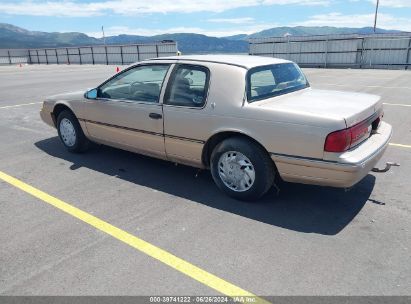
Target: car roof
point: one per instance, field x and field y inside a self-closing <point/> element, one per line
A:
<point x="245" y="61"/>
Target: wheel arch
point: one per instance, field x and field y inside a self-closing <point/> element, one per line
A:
<point x="218" y="137"/>
<point x="58" y="108"/>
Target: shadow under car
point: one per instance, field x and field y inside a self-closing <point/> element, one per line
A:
<point x="302" y="208"/>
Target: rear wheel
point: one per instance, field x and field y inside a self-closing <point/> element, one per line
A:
<point x="242" y="168"/>
<point x="70" y="132"/>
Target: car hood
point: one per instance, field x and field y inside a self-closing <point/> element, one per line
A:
<point x="70" y="96"/>
<point x="350" y="106"/>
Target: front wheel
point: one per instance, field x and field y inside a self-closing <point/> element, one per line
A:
<point x="70" y="132"/>
<point x="242" y="168"/>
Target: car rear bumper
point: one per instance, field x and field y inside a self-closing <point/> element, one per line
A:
<point x="343" y="171"/>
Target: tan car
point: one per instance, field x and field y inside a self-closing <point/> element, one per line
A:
<point x="246" y="118"/>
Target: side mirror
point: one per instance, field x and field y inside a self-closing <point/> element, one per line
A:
<point x="91" y="94"/>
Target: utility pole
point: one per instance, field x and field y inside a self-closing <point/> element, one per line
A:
<point x="376" y="13"/>
<point x="104" y="36"/>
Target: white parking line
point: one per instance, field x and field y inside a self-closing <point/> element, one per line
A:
<point x="400" y="145"/>
<point x="20" y="105"/>
<point x="350" y="75"/>
<point x="364" y="86"/>
<point x="64" y="70"/>
<point x="397" y="104"/>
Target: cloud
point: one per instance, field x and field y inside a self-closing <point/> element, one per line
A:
<point x="124" y="30"/>
<point x="232" y="20"/>
<point x="384" y="21"/>
<point x="71" y="8"/>
<point x="394" y="3"/>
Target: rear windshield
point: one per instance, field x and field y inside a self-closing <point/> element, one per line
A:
<point x="273" y="80"/>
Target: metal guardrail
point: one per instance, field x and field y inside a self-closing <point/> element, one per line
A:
<point x="392" y="51"/>
<point x="96" y="54"/>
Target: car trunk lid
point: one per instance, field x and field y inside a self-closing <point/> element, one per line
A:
<point x="352" y="107"/>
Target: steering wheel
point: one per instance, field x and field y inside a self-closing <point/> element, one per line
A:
<point x="136" y="83"/>
<point x="132" y="86"/>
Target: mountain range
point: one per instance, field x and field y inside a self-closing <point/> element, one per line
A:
<point x="15" y="37"/>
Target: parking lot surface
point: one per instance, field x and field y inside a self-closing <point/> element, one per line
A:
<point x="308" y="240"/>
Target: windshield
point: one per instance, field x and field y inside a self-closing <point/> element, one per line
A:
<point x="273" y="80"/>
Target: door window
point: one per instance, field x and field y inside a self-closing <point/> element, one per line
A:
<point x="189" y="85"/>
<point x="141" y="83"/>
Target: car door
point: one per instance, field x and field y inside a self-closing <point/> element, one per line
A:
<point x="127" y="112"/>
<point x="185" y="115"/>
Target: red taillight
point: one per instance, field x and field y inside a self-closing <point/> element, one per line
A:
<point x="338" y="141"/>
<point x="359" y="132"/>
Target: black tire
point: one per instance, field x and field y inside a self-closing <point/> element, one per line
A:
<point x="262" y="164"/>
<point x="81" y="143"/>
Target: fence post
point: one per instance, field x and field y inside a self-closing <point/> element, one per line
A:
<point x="29" y="53"/>
<point x="157" y="50"/>
<point x="47" y="58"/>
<point x="362" y="53"/>
<point x="288" y="47"/>
<point x="105" y="48"/>
<point x="272" y="49"/>
<point x="38" y="57"/>
<point x="79" y="56"/>
<point x="121" y="53"/>
<point x="92" y="54"/>
<point x="407" y="62"/>
<point x="326" y="53"/>
<point x="371" y="53"/>
<point x="8" y="54"/>
<point x="68" y="56"/>
<point x="57" y="56"/>
<point x="138" y="53"/>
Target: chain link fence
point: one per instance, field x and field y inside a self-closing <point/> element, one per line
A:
<point x="391" y="51"/>
<point x="98" y="54"/>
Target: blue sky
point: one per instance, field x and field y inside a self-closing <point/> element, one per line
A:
<point x="210" y="17"/>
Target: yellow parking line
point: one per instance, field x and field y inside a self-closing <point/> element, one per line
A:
<point x="400" y="145"/>
<point x="20" y="105"/>
<point x="397" y="104"/>
<point x="153" y="251"/>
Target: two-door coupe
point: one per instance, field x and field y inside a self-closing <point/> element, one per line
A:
<point x="246" y="118"/>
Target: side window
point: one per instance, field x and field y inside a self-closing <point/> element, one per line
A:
<point x="262" y="83"/>
<point x="188" y="86"/>
<point x="141" y="83"/>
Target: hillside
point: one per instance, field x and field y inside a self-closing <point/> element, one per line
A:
<point x="307" y="31"/>
<point x="15" y="37"/>
<point x="188" y="43"/>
